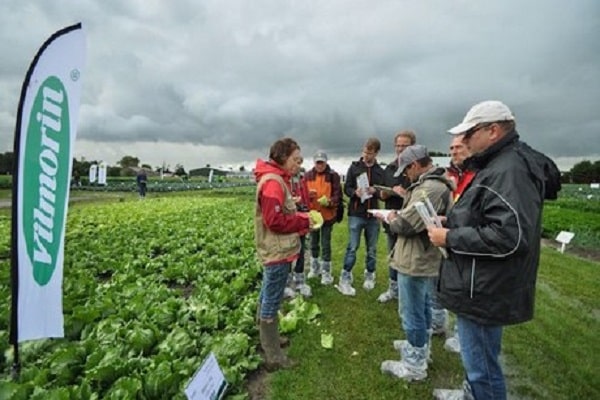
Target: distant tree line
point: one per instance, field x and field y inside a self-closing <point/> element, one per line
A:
<point x="582" y="172"/>
<point x="127" y="166"/>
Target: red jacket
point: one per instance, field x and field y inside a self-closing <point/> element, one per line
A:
<point x="461" y="178"/>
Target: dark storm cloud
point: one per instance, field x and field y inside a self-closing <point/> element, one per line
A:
<point x="238" y="75"/>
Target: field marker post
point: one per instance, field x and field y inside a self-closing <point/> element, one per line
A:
<point x="564" y="238"/>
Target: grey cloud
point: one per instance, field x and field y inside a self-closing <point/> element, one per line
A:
<point x="329" y="74"/>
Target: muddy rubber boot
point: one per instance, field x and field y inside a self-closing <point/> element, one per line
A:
<point x="269" y="339"/>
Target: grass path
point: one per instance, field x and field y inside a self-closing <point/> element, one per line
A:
<point x="555" y="356"/>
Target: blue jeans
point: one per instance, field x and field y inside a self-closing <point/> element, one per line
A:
<point x="371" y="227"/>
<point x="322" y="237"/>
<point x="479" y="349"/>
<point x="299" y="266"/>
<point x="271" y="292"/>
<point x="391" y="242"/>
<point x="414" y="293"/>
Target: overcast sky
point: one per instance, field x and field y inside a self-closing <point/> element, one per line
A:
<point x="217" y="81"/>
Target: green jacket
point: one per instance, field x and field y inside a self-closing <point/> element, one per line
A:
<point x="413" y="253"/>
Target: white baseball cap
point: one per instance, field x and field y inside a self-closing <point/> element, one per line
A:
<point x="486" y="111"/>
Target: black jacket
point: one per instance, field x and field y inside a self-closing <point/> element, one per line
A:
<point x="376" y="177"/>
<point x="494" y="239"/>
<point x="394" y="202"/>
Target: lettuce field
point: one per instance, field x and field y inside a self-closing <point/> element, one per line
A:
<point x="150" y="288"/>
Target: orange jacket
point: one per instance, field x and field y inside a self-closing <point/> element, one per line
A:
<point x="324" y="184"/>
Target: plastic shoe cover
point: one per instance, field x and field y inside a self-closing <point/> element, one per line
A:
<point x="326" y="278"/>
<point x="289" y="293"/>
<point x="448" y="394"/>
<point x="304" y="290"/>
<point x="452" y="344"/>
<point x="345" y="288"/>
<point x="402" y="347"/>
<point x="315" y="268"/>
<point x="346" y="276"/>
<point x="369" y="283"/>
<point x="388" y="295"/>
<point x="298" y="279"/>
<point x="403" y="370"/>
<point x="439" y="321"/>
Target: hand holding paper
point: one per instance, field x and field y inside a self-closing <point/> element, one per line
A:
<point x="362" y="184"/>
<point x="430" y="218"/>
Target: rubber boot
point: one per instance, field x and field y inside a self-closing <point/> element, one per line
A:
<point x="284" y="341"/>
<point x="269" y="339"/>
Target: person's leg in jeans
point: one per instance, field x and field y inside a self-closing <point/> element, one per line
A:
<point x="480" y="347"/>
<point x="371" y="237"/>
<point x="392" y="291"/>
<point x="415" y="306"/>
<point x="355" y="227"/>
<point x="271" y="292"/>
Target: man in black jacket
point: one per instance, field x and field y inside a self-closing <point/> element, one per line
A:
<point x="394" y="201"/>
<point x="492" y="236"/>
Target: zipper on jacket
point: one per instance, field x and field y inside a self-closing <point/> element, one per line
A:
<point x="472" y="276"/>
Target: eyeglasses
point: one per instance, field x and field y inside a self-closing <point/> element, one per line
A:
<point x="476" y="129"/>
<point x="403" y="145"/>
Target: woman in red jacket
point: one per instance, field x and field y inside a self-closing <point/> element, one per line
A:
<point x="278" y="227"/>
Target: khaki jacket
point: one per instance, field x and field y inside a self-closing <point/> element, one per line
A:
<point x="272" y="247"/>
<point x="413" y="253"/>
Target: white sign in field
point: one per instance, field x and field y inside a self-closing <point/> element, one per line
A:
<point x="564" y="238"/>
<point x="208" y="383"/>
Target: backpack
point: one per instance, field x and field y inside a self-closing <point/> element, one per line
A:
<point x="552" y="184"/>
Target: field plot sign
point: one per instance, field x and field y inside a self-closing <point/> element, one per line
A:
<point x="594" y="185"/>
<point x="208" y="382"/>
<point x="564" y="238"/>
<point x="93" y="172"/>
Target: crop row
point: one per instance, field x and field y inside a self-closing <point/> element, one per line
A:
<point x="150" y="288"/>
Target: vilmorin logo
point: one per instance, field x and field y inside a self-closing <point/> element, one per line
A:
<point x="45" y="177"/>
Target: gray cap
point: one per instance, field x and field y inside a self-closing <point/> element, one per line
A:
<point x="409" y="155"/>
<point x="320" y="155"/>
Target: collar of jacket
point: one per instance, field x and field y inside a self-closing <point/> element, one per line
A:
<point x="433" y="171"/>
<point x="480" y="160"/>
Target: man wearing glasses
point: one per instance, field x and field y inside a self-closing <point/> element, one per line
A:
<point x="492" y="235"/>
<point x="394" y="201"/>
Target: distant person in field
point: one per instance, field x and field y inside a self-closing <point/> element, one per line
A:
<point x="492" y="236"/>
<point x="416" y="260"/>
<point x="402" y="140"/>
<point x="325" y="193"/>
<point x="362" y="198"/>
<point x="142" y="180"/>
<point x="278" y="227"/>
